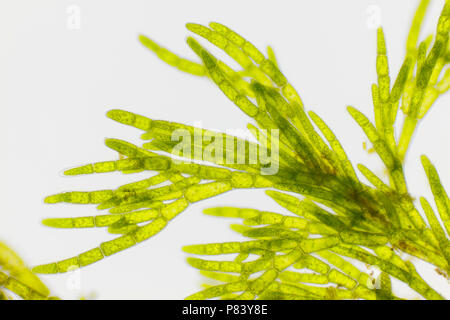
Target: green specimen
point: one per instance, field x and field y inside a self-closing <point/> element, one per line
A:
<point x="336" y="218"/>
<point x="15" y="277"/>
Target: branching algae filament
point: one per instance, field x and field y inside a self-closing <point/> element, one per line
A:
<point x="335" y="217"/>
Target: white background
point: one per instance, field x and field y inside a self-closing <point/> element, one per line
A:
<point x="56" y="84"/>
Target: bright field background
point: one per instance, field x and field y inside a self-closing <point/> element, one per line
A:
<point x="58" y="80"/>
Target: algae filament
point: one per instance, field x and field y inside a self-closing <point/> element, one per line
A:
<point x="335" y="217"/>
